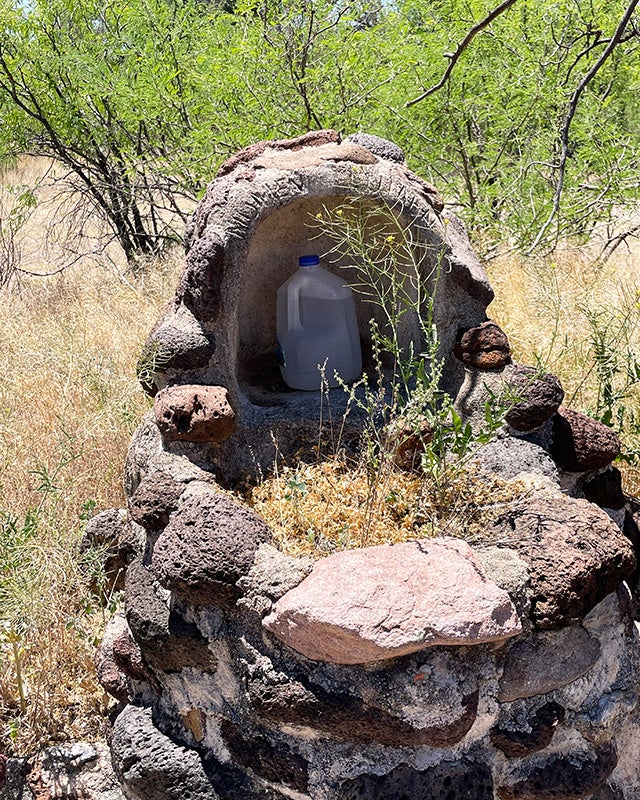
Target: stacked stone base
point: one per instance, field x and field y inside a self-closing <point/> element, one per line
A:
<point x="549" y="716"/>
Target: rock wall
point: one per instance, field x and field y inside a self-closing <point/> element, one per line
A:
<point x="430" y="670"/>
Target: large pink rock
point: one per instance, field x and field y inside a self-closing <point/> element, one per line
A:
<point x="387" y="601"/>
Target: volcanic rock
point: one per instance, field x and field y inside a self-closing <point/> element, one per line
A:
<point x="582" y="444"/>
<point x="194" y="414"/>
<point x="484" y="346"/>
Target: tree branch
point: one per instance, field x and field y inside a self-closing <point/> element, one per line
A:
<point x="561" y="166"/>
<point x="453" y="57"/>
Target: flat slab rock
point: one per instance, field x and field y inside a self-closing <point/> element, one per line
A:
<point x="390" y="600"/>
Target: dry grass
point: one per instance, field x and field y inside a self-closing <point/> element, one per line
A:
<point x="556" y="310"/>
<point x="69" y="402"/>
<point x="315" y="509"/>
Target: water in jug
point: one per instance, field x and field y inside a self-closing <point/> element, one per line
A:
<point x="317" y="328"/>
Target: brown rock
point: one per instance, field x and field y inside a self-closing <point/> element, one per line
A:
<point x="406" y="440"/>
<point x="537" y="734"/>
<point x="193" y="413"/>
<point x="111" y="677"/>
<point x="570" y="777"/>
<point x="209" y="543"/>
<point x="547" y="662"/>
<point x="576" y="555"/>
<point x="484" y="347"/>
<point x="390" y="600"/>
<point x="582" y="444"/>
<point x="458" y="779"/>
<point x="537" y="396"/>
<point x="344" y="716"/>
<point x="310" y="139"/>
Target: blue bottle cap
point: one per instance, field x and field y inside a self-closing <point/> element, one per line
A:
<point x="308" y="261"/>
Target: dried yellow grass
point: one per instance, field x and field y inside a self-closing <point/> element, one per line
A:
<point x="544" y="306"/>
<point x="69" y="401"/>
<point x="315" y="509"/>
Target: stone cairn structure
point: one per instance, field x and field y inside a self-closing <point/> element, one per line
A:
<point x="429" y="670"/>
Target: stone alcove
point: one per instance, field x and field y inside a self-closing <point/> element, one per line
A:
<point x="257" y="217"/>
<point x="506" y="669"/>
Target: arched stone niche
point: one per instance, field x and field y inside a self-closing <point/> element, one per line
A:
<point x="247" y="233"/>
<point x="505" y="668"/>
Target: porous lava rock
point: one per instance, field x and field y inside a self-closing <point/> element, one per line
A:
<point x="194" y="414"/>
<point x="536" y="733"/>
<point x="155" y="499"/>
<point x="582" y="444"/>
<point x="547" y="661"/>
<point x="166" y="640"/>
<point x="151" y="765"/>
<point x="572" y="777"/>
<point x="209" y="543"/>
<point x="390" y="600"/>
<point x="450" y="779"/>
<point x="379" y="147"/>
<point x="484" y="346"/>
<point x="536" y="397"/>
<point x="575" y="555"/>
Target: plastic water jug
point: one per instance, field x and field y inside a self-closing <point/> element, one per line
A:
<point x="317" y="328"/>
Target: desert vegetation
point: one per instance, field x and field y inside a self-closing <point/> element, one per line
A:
<point x="114" y="116"/>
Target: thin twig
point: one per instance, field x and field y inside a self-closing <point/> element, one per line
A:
<point x="561" y="166"/>
<point x="453" y="57"/>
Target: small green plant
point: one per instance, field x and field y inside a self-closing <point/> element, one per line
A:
<point x="398" y="269"/>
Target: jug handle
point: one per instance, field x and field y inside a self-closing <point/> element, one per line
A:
<point x="293" y="308"/>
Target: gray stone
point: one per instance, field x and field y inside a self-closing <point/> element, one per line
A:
<point x="166" y="640"/>
<point x="382" y="148"/>
<point x="508" y="571"/>
<point x="507" y="457"/>
<point x="151" y="766"/>
<point x="145" y="444"/>
<point x="76" y="771"/>
<point x="546" y="662"/>
<point x="209" y="543"/>
<point x="110" y="537"/>
<point x="177" y="342"/>
<point x="273" y="573"/>
<point x="386" y="601"/>
<point x="574" y="553"/>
